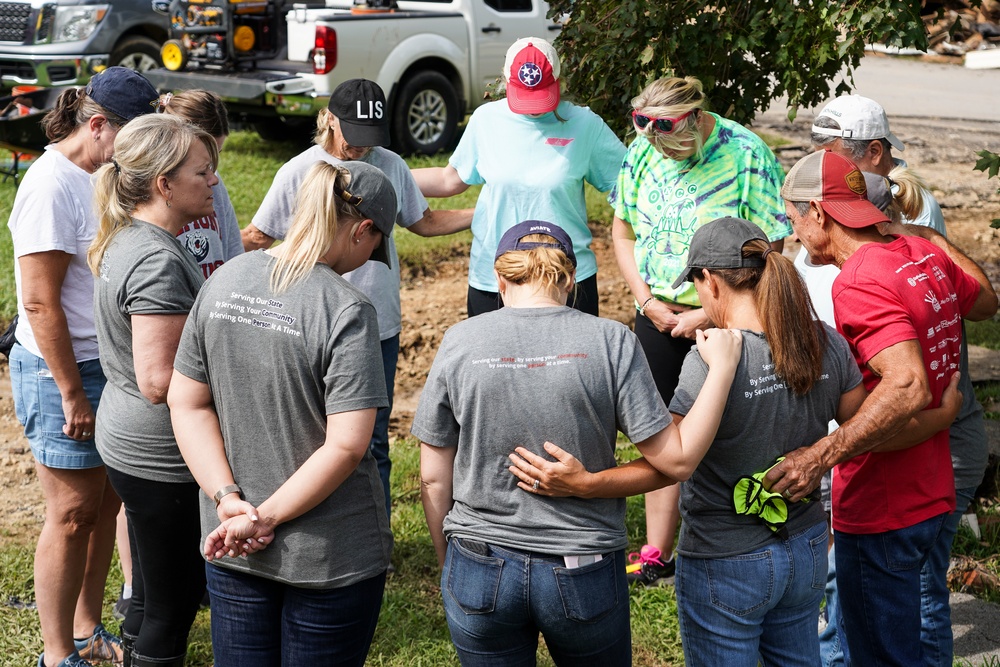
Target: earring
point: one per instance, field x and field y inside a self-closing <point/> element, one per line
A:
<point x="356" y="241"/>
<point x="168" y="203"/>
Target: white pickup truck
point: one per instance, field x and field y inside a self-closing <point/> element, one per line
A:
<point x="434" y="59"/>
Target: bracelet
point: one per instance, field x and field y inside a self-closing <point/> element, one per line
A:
<point x="225" y="491"/>
<point x="642" y="308"/>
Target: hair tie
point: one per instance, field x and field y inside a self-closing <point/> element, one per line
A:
<point x="164" y="101"/>
<point x="114" y="163"/>
<point x="767" y="252"/>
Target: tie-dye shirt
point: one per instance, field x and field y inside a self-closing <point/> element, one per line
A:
<point x="666" y="200"/>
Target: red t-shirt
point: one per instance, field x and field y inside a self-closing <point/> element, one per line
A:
<point x="887" y="293"/>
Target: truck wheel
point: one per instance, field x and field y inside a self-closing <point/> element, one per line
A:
<point x="425" y="114"/>
<point x="136" y="52"/>
<point x="298" y="129"/>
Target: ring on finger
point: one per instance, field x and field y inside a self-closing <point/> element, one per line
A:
<point x="534" y="486"/>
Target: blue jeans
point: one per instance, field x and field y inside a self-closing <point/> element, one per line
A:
<point x="499" y="600"/>
<point x="259" y="622"/>
<point x="832" y="644"/>
<point x="935" y="612"/>
<point x="879" y="581"/>
<point x="759" y="606"/>
<point x="379" y="445"/>
<point x="38" y="405"/>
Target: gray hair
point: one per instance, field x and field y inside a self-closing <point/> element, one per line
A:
<point x="856" y="147"/>
<point x="801" y="207"/>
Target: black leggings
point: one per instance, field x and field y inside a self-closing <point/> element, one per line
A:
<point x="586" y="299"/>
<point x="168" y="572"/>
<point x="664" y="353"/>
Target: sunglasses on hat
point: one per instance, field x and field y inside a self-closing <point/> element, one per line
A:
<point x="661" y="125"/>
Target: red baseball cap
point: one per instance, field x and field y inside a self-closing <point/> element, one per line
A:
<point x="532" y="73"/>
<point x="837" y="184"/>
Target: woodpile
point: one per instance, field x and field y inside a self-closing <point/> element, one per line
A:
<point x="955" y="28"/>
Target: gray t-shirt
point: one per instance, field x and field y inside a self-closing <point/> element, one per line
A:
<point x="145" y="271"/>
<point x="379" y="282"/>
<point x="521" y="376"/>
<point x="762" y="421"/>
<point x="277" y="365"/>
<point x="970" y="448"/>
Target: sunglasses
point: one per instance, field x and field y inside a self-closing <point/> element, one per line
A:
<point x="661" y="125"/>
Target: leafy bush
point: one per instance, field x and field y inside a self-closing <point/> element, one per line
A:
<point x="746" y="52"/>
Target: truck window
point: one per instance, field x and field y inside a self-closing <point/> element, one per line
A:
<point x="510" y="5"/>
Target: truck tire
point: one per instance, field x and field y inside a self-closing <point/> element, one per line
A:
<point x="136" y="52"/>
<point x="297" y="129"/>
<point x="425" y="115"/>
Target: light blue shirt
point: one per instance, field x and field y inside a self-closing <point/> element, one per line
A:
<point x="931" y="215"/>
<point x="534" y="169"/>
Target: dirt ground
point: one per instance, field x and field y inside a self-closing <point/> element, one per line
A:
<point x="434" y="298"/>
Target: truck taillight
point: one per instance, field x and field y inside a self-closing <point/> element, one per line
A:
<point x="325" y="51"/>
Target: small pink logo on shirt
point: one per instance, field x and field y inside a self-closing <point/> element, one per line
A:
<point x="556" y="141"/>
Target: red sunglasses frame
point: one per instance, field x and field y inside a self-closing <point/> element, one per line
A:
<point x="657" y="122"/>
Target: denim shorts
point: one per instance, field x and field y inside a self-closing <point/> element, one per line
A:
<point x="38" y="405"/>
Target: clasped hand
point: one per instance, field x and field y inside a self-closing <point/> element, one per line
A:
<point x="240" y="533"/>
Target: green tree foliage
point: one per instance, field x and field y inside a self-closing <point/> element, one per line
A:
<point x="745" y="52"/>
<point x="990" y="163"/>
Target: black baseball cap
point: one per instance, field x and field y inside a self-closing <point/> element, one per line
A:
<point x="719" y="245"/>
<point x="511" y="240"/>
<point x="123" y="92"/>
<point x="372" y="194"/>
<point x="359" y="105"/>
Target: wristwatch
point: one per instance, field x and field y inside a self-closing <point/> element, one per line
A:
<point x="225" y="491"/>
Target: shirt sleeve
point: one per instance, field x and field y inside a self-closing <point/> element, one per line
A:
<point x="624" y="194"/>
<point x="640" y="410"/>
<point x="274" y="216"/>
<point x="190" y="358"/>
<point x="693" y="373"/>
<point x="434" y="421"/>
<point x="354" y="378"/>
<point x="48" y="218"/>
<point x="872" y="318"/>
<point x="606" y="156"/>
<point x="410" y="200"/>
<point x="465" y="159"/>
<point x="229" y="227"/>
<point x="159" y="285"/>
<point x="762" y="203"/>
<point x="849" y="373"/>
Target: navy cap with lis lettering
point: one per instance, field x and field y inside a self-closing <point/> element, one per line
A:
<point x="359" y="105"/>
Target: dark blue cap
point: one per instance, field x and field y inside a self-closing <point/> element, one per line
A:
<point x="123" y="92"/>
<point x="511" y="240"/>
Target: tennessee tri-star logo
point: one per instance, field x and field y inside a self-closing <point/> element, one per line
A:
<point x="530" y="74"/>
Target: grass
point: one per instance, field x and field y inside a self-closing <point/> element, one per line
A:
<point x="412" y="629"/>
<point x="985" y="334"/>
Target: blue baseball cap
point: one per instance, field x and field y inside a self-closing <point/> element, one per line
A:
<point x="123" y="92"/>
<point x="511" y="240"/>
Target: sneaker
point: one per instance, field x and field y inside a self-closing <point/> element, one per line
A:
<point x="647" y="569"/>
<point x="102" y="646"/>
<point x="121" y="606"/>
<point x="73" y="660"/>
